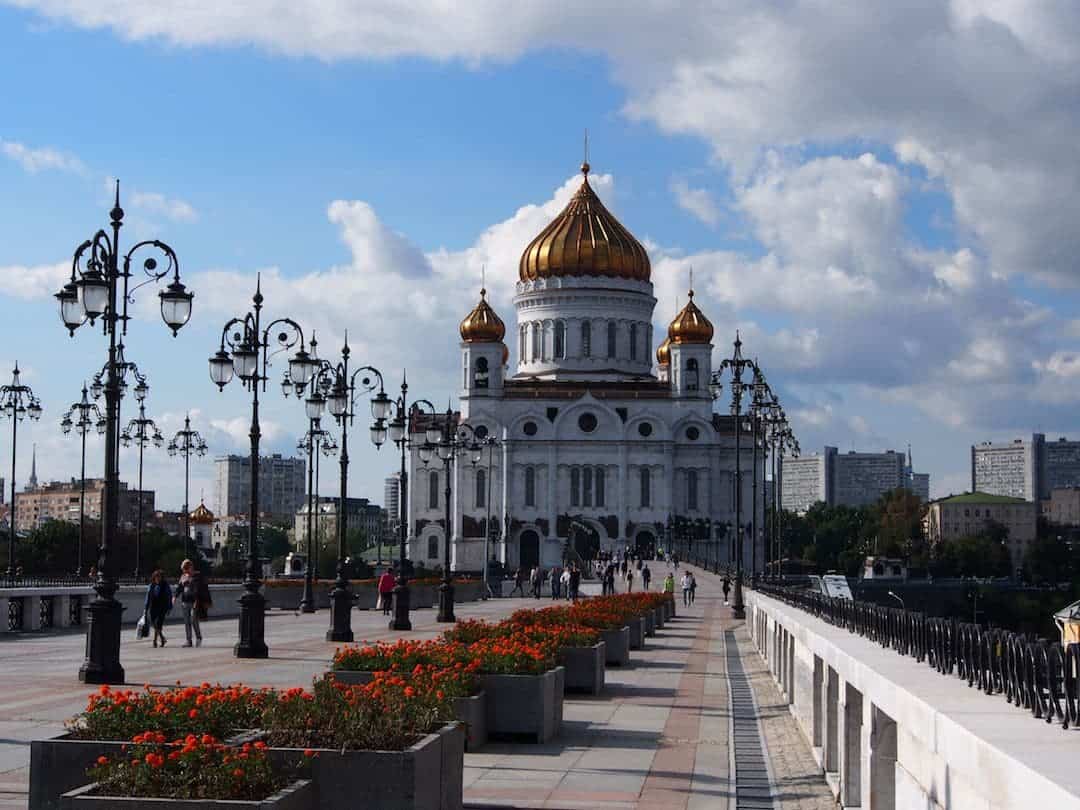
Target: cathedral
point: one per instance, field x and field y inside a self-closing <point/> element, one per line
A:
<point x="597" y="449"/>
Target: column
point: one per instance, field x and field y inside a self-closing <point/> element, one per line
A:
<point x="504" y="529"/>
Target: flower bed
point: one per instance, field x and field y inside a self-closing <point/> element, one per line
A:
<point x="114" y="716"/>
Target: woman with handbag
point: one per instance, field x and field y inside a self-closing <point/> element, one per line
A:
<point x="187" y="591"/>
<point x="386" y="591"/>
<point x="158" y="604"/>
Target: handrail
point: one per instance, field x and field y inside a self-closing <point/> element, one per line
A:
<point x="1032" y="673"/>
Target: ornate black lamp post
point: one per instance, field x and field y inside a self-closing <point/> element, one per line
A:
<point x="248" y="357"/>
<point x="314" y="441"/>
<point x="786" y="443"/>
<point x="142" y="431"/>
<point x="341" y="387"/>
<point x="760" y="402"/>
<point x="450" y="445"/>
<point x="17" y="402"/>
<point x="86" y="415"/>
<point x="489" y="442"/>
<point x="186" y="443"/>
<point x="738" y="365"/>
<point x="406" y="416"/>
<point x="100" y="288"/>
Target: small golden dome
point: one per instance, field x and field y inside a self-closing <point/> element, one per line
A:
<point x="482" y="325"/>
<point x="202" y="515"/>
<point x="663" y="353"/>
<point x="690" y="325"/>
<point x="584" y="240"/>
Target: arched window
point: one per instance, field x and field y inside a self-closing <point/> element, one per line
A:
<point x="433" y="547"/>
<point x="691" y="375"/>
<point x="633" y="341"/>
<point x="586" y="486"/>
<point x="537" y="339"/>
<point x="481" y="375"/>
<point x="560" y="340"/>
<point x="575" y="486"/>
<point x="530" y="486"/>
<point x="646" y="488"/>
<point x="691" y="490"/>
<point x="599" y="486"/>
<point x="481" y="488"/>
<point x="433" y="490"/>
<point x="586" y="339"/>
<point x="611" y="327"/>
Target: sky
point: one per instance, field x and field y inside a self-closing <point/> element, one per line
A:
<point x="881" y="197"/>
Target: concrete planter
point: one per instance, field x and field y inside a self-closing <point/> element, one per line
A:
<point x="467" y="591"/>
<point x="650" y="623"/>
<point x="300" y="795"/>
<point x="584" y="668"/>
<point x="525" y="705"/>
<point x="422" y="596"/>
<point x="367" y="596"/>
<point x="660" y="617"/>
<point x="427" y="776"/>
<point x="288" y="596"/>
<point x="637" y="633"/>
<point x="616" y="646"/>
<point x="470" y="711"/>
<point x="60" y="764"/>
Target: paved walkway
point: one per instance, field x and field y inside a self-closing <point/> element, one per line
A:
<point x="660" y="737"/>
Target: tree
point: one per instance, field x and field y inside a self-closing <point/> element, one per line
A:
<point x="900" y="532"/>
<point x="1048" y="559"/>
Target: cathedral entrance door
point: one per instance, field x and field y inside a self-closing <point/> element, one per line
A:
<point x="586" y="542"/>
<point x="528" y="549"/>
<point x="645" y="546"/>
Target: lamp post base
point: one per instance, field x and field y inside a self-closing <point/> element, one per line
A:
<point x="401" y="607"/>
<point x="307" y="601"/>
<point x="446" y="603"/>
<point x="738" y="608"/>
<point x="252" y="643"/>
<point x="341" y="602"/>
<point x="102" y="664"/>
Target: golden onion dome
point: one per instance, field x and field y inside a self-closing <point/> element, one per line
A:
<point x="482" y="325"/>
<point x="584" y="240"/>
<point x="663" y="353"/>
<point x="690" y="325"/>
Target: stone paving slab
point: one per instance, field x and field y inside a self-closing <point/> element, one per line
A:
<point x="658" y="737"/>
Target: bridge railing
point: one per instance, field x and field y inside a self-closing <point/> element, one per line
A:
<point x="1031" y="673"/>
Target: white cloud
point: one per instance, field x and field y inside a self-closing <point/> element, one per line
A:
<point x="33" y="282"/>
<point x="696" y="201"/>
<point x="154" y="203"/>
<point x="44" y="158"/>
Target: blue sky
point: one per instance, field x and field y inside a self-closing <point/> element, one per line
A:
<point x="894" y="242"/>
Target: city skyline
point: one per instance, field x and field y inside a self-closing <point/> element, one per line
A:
<point x="860" y="240"/>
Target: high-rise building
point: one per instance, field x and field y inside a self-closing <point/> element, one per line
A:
<point x="392" y="496"/>
<point x="847" y="479"/>
<point x="806" y="480"/>
<point x="282" y="485"/>
<point x="59" y="500"/>
<point x="360" y="514"/>
<point x="1025" y="468"/>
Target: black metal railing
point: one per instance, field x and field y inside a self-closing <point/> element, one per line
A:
<point x="15" y="614"/>
<point x="1040" y="676"/>
<point x="87" y="582"/>
<point x="75" y="610"/>
<point x="45" y="613"/>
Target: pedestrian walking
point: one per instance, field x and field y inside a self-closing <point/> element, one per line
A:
<point x="675" y="561"/>
<point x="669" y="584"/>
<point x="686" y="588"/>
<point x="519" y="582"/>
<point x="556" y="581"/>
<point x="536" y="579"/>
<point x="188" y="592"/>
<point x="609" y="580"/>
<point x="566" y="583"/>
<point x="629" y="580"/>
<point x="727" y="589"/>
<point x="386" y="591"/>
<point x="646" y="578"/>
<point x="158" y="604"/>
<point x="693" y="586"/>
<point x="575" y="582"/>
